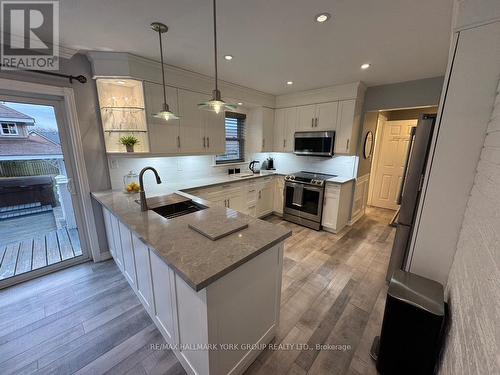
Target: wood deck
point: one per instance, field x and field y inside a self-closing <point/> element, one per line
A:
<point x="37" y="251"/>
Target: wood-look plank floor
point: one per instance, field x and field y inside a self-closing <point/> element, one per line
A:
<point x="87" y="320"/>
<point x="38" y="250"/>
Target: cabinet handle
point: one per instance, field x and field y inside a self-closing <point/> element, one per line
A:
<point x="204" y="144"/>
<point x="208" y="142"/>
<point x="312" y="122"/>
<point x="284" y="143"/>
<point x="260" y="194"/>
<point x="347" y="145"/>
<point x="263" y="142"/>
<point x="228" y="203"/>
<point x="178" y="142"/>
<point x="316" y="122"/>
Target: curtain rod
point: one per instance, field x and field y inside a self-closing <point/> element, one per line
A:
<point x="80" y="78"/>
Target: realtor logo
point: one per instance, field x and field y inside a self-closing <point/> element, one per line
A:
<point x="30" y="35"/>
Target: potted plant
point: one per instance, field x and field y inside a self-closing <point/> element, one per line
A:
<point x="129" y="141"/>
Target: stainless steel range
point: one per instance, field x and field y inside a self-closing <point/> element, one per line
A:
<point x="303" y="198"/>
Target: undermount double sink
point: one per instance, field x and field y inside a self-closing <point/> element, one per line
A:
<point x="173" y="205"/>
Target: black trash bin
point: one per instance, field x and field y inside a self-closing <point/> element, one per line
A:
<point x="413" y="323"/>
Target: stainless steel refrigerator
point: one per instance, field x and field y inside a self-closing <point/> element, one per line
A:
<point x="411" y="187"/>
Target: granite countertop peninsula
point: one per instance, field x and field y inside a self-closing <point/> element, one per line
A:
<point x="197" y="259"/>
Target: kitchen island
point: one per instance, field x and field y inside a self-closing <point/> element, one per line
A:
<point x="215" y="302"/>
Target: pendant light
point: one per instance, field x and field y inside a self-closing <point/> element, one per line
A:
<point x="165" y="113"/>
<point x="216" y="104"/>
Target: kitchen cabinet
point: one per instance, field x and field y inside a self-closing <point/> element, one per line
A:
<point x="260" y="130"/>
<point x="337" y="206"/>
<point x="109" y="232"/>
<point x="128" y="256"/>
<point x="279" y="186"/>
<point x="347" y="128"/>
<point x="285" y="124"/>
<point x="121" y="103"/>
<point x="317" y="117"/>
<point x="115" y="230"/>
<point x="143" y="269"/>
<point x="265" y="196"/>
<point x="163" y="135"/>
<point x="165" y="306"/>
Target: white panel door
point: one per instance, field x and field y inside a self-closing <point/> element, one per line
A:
<point x="128" y="256"/>
<point x="290" y="128"/>
<point x="163" y="135"/>
<point x="391" y="158"/>
<point x="267" y="129"/>
<point x="306" y="117"/>
<point x="117" y="241"/>
<point x="164" y="297"/>
<point x="279" y="129"/>
<point x="326" y="115"/>
<point x="109" y="232"/>
<point x="192" y="122"/>
<point x="345" y="121"/>
<point x="143" y="267"/>
<point x="215" y="133"/>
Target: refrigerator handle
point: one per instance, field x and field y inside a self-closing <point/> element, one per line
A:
<point x="405" y="172"/>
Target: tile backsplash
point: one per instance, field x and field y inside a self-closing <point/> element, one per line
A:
<point x="178" y="168"/>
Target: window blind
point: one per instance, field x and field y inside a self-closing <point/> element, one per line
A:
<point x="235" y="139"/>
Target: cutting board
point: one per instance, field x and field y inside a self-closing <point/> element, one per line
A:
<point x="217" y="223"/>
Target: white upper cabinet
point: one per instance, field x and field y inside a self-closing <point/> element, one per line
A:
<point x="260" y="130"/>
<point x="285" y="125"/>
<point x="306" y="117"/>
<point x="317" y="117"/>
<point x="326" y="116"/>
<point x="163" y="135"/>
<point x="215" y="133"/>
<point x="192" y="127"/>
<point x="347" y="128"/>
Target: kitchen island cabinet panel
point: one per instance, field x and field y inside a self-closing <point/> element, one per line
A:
<point x="128" y="255"/>
<point x="164" y="298"/>
<point x="143" y="269"/>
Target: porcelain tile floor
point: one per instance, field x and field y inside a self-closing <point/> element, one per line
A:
<point x="87" y="320"/>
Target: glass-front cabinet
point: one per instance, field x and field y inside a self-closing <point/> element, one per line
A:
<point x="121" y="102"/>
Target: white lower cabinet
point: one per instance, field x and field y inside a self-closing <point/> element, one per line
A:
<point x="109" y="231"/>
<point x="115" y="231"/>
<point x="279" y="186"/>
<point x="143" y="269"/>
<point x="128" y="255"/>
<point x="238" y="308"/>
<point x="337" y="206"/>
<point x="165" y="312"/>
<point x="265" y="197"/>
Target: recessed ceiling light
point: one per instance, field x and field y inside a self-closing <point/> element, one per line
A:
<point x="322" y="17"/>
<point x="240" y="103"/>
<point x="365" y="66"/>
<point x="228" y="57"/>
<point x="289" y="83"/>
<point x="120" y="82"/>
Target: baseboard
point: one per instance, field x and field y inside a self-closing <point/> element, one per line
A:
<point x="103" y="256"/>
<point x="357" y="217"/>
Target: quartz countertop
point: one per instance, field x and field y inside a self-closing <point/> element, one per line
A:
<point x="197" y="259"/>
<point x="340" y="180"/>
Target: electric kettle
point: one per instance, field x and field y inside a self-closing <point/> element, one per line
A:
<point x="252" y="166"/>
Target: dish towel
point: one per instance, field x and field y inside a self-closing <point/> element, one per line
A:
<point x="298" y="189"/>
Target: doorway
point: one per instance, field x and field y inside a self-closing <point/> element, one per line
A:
<point x="392" y="139"/>
<point x="41" y="217"/>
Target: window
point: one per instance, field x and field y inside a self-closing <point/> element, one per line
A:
<point x="9" y="128"/>
<point x="235" y="139"/>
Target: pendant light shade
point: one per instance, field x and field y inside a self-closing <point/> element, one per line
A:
<point x="216" y="104"/>
<point x="165" y="113"/>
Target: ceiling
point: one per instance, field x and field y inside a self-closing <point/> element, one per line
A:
<point x="274" y="41"/>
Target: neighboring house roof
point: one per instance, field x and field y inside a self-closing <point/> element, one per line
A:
<point x="50" y="135"/>
<point x="9" y="114"/>
<point x="33" y="145"/>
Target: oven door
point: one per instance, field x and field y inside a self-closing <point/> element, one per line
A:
<point x="307" y="203"/>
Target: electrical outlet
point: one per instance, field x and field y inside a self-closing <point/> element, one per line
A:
<point x="113" y="164"/>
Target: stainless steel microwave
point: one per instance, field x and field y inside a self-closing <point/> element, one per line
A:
<point x="319" y="143"/>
